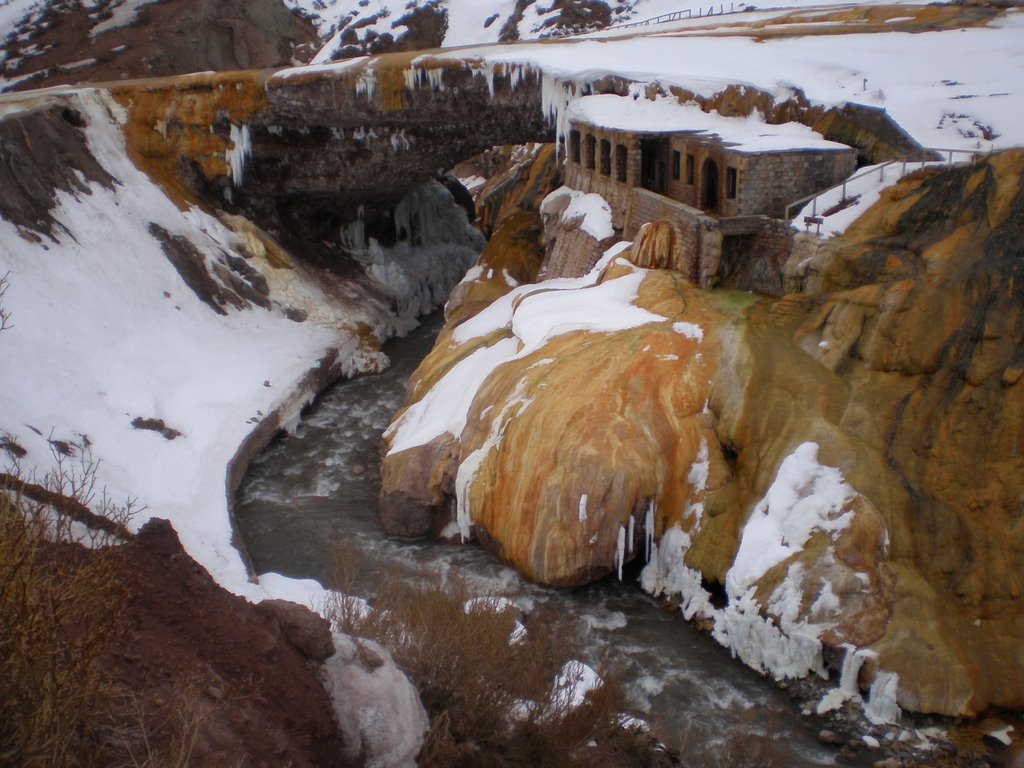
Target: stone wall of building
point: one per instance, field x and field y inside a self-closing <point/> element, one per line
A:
<point x="698" y="237"/>
<point x="700" y="171"/>
<point x="611" y="186"/>
<point x="769" y="182"/>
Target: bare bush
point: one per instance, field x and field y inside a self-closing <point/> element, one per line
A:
<point x="61" y="608"/>
<point x="489" y="697"/>
<point x="5" y="315"/>
<point x="59" y="613"/>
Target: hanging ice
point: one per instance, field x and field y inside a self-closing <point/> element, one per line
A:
<point x="235" y="157"/>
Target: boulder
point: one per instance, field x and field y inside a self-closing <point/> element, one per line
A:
<point x="307" y="631"/>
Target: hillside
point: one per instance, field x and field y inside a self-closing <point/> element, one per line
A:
<point x="828" y="475"/>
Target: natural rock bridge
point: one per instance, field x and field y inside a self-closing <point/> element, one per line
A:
<point x="304" y="152"/>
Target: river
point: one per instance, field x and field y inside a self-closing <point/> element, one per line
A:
<point x="311" y="494"/>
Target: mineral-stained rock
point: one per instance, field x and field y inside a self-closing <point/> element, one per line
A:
<point x="845" y="465"/>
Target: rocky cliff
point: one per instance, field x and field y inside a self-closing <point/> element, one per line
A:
<point x="836" y="470"/>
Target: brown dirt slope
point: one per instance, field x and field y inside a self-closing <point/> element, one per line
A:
<point x="233" y="670"/>
<point x="169" y="37"/>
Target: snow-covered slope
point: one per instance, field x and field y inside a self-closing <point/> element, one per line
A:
<point x="955" y="88"/>
<point x="469" y="22"/>
<point x="185" y="323"/>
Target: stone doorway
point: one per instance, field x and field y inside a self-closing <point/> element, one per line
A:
<point x="709" y="186"/>
<point x="653" y="164"/>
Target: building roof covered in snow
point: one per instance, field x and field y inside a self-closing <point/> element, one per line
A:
<point x="666" y="115"/>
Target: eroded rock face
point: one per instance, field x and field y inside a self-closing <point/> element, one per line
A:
<point x="844" y="465"/>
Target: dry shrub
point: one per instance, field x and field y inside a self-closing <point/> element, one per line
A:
<point x="147" y="732"/>
<point x="5" y="315"/>
<point x="752" y="743"/>
<point x="489" y="699"/>
<point x="60" y="611"/>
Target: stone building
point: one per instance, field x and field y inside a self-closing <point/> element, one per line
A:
<point x="722" y="182"/>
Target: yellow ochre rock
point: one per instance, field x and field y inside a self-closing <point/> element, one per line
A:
<point x="844" y="468"/>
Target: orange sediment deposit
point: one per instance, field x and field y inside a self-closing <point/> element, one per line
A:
<point x="187" y="120"/>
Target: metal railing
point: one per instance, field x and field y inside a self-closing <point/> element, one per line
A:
<point x="687" y="13"/>
<point x="946" y="157"/>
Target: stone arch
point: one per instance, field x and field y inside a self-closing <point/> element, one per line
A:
<point x="709" y="185"/>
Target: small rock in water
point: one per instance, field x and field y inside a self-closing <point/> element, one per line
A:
<point x="825" y="736"/>
<point x="358" y="469"/>
<point x="870" y="741"/>
<point x="889" y="762"/>
<point x="215" y="692"/>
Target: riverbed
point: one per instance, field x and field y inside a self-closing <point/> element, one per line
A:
<point x="307" y="508"/>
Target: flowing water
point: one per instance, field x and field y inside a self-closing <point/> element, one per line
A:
<point x="311" y="492"/>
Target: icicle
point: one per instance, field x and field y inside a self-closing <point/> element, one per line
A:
<point x="412" y="79"/>
<point x="486" y="71"/>
<point x="241" y="148"/>
<point x="882" y="707"/>
<point x="649" y="531"/>
<point x="620" y="551"/>
<point x="852" y="663"/>
<point x="515" y="76"/>
<point x="399" y="141"/>
<point x="353" y="235"/>
<point x="436" y="78"/>
<point x="583" y="508"/>
<point x="629" y="536"/>
<point x="367" y="84"/>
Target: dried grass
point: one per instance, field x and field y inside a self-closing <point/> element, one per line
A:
<point x="489" y="699"/>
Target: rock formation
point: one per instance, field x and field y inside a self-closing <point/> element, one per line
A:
<point x="840" y="468"/>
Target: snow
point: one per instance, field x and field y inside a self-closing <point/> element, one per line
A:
<point x="697" y="479"/>
<point x="572" y="684"/>
<point x="689" y="330"/>
<point x="666" y="573"/>
<point x="375" y="706"/>
<point x="805" y="497"/>
<point x="105" y="330"/>
<point x="444" y="409"/>
<point x="466" y="21"/>
<point x="535" y="314"/>
<point x="862" y="190"/>
<point x="124" y="13"/>
<point x="666" y="115"/>
<point x="589" y="211"/>
<point x="1002" y="735"/>
<point x="13" y="11"/>
<point x="907" y="74"/>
